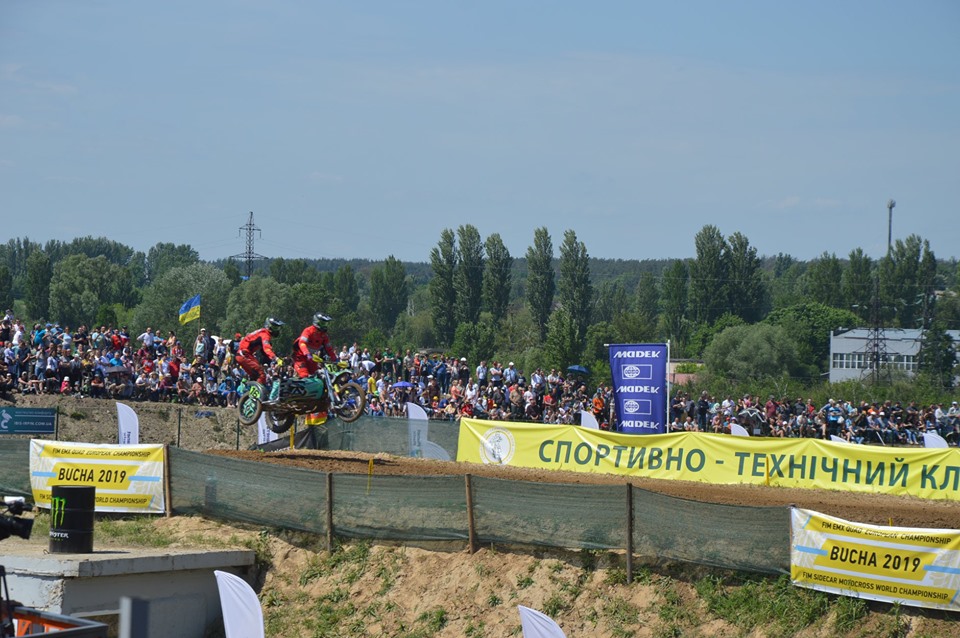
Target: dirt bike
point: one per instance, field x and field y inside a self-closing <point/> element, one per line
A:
<point x="333" y="392"/>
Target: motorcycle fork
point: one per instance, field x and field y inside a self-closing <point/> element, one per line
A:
<point x="329" y="388"/>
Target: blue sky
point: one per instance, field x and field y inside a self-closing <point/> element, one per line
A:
<point x="362" y="129"/>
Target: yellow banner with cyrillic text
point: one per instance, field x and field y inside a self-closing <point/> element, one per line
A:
<point x="932" y="473"/>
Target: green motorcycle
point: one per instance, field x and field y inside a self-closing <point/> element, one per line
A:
<point x="336" y="393"/>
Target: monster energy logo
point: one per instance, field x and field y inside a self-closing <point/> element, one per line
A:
<point x="58" y="509"/>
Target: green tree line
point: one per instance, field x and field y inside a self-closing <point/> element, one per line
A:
<point x="746" y="316"/>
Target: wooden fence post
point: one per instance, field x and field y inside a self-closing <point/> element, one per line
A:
<point x="629" y="533"/>
<point x="471" y="527"/>
<point x="329" y="511"/>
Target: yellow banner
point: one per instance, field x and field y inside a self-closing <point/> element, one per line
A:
<point x="911" y="566"/>
<point x="932" y="473"/>
<point x="128" y="478"/>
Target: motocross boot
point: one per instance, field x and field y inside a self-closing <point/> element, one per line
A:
<point x="275" y="391"/>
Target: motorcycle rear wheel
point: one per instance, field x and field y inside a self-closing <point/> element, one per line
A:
<point x="352" y="400"/>
<point x="280" y="423"/>
<point x="249" y="407"/>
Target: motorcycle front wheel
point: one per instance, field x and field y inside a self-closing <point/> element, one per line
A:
<point x="249" y="407"/>
<point x="351" y="401"/>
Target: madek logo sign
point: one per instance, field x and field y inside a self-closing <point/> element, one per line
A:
<point x="640" y="386"/>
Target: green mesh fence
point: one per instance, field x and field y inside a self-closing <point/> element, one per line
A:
<point x="729" y="536"/>
<point x="260" y="493"/>
<point x="417" y="508"/>
<point x="550" y="514"/>
<point x="388" y="434"/>
<point x="400" y="507"/>
<point x="15" y="467"/>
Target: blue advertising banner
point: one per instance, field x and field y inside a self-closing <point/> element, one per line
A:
<point x="27" y="420"/>
<point x="640" y="387"/>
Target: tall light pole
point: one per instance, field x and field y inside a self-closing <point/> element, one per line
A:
<point x="890" y="205"/>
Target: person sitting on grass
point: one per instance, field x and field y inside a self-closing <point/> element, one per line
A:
<point x="97" y="388"/>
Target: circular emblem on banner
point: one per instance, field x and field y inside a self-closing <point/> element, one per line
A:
<point x="631" y="372"/>
<point x="631" y="406"/>
<point x="497" y="446"/>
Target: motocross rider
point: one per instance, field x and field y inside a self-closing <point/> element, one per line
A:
<point x="311" y="341"/>
<point x="255" y="343"/>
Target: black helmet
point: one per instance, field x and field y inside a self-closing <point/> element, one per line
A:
<point x="272" y="324"/>
<point x="320" y="320"/>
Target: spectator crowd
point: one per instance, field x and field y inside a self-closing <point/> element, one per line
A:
<point x="109" y="362"/>
<point x="880" y="423"/>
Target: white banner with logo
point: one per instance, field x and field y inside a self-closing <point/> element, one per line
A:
<point x="129" y="425"/>
<point x="906" y="565"/>
<point x="128" y="478"/>
<point x="264" y="433"/>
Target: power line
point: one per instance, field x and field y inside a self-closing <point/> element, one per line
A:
<point x="249" y="256"/>
<point x="875" y="349"/>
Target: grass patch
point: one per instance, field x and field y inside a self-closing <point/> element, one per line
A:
<point x="389" y="567"/>
<point x="524" y="581"/>
<point x="848" y="613"/>
<point x="620" y="615"/>
<point x="351" y="560"/>
<point x="554" y="605"/>
<point x="434" y="620"/>
<point x="138" y="531"/>
<point x="260" y="545"/>
<point x="756" y="601"/>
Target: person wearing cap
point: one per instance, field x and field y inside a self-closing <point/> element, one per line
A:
<point x="832" y="414"/>
<point x="510" y="375"/>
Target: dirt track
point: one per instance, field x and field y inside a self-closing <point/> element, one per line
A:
<point x="880" y="509"/>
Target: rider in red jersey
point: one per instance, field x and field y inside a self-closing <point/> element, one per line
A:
<point x="254" y="343"/>
<point x="313" y="339"/>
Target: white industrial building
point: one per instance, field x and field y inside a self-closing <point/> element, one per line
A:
<point x="851" y="351"/>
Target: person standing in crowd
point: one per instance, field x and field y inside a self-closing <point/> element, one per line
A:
<point x="148" y="339"/>
<point x="510" y="375"/>
<point x="482" y="375"/>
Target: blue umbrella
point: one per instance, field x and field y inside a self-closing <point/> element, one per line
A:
<point x="403" y="384"/>
<point x="578" y="369"/>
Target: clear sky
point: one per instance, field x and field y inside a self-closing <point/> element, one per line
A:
<point x="362" y="129"/>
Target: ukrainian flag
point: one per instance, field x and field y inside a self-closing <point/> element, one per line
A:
<point x="190" y="309"/>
